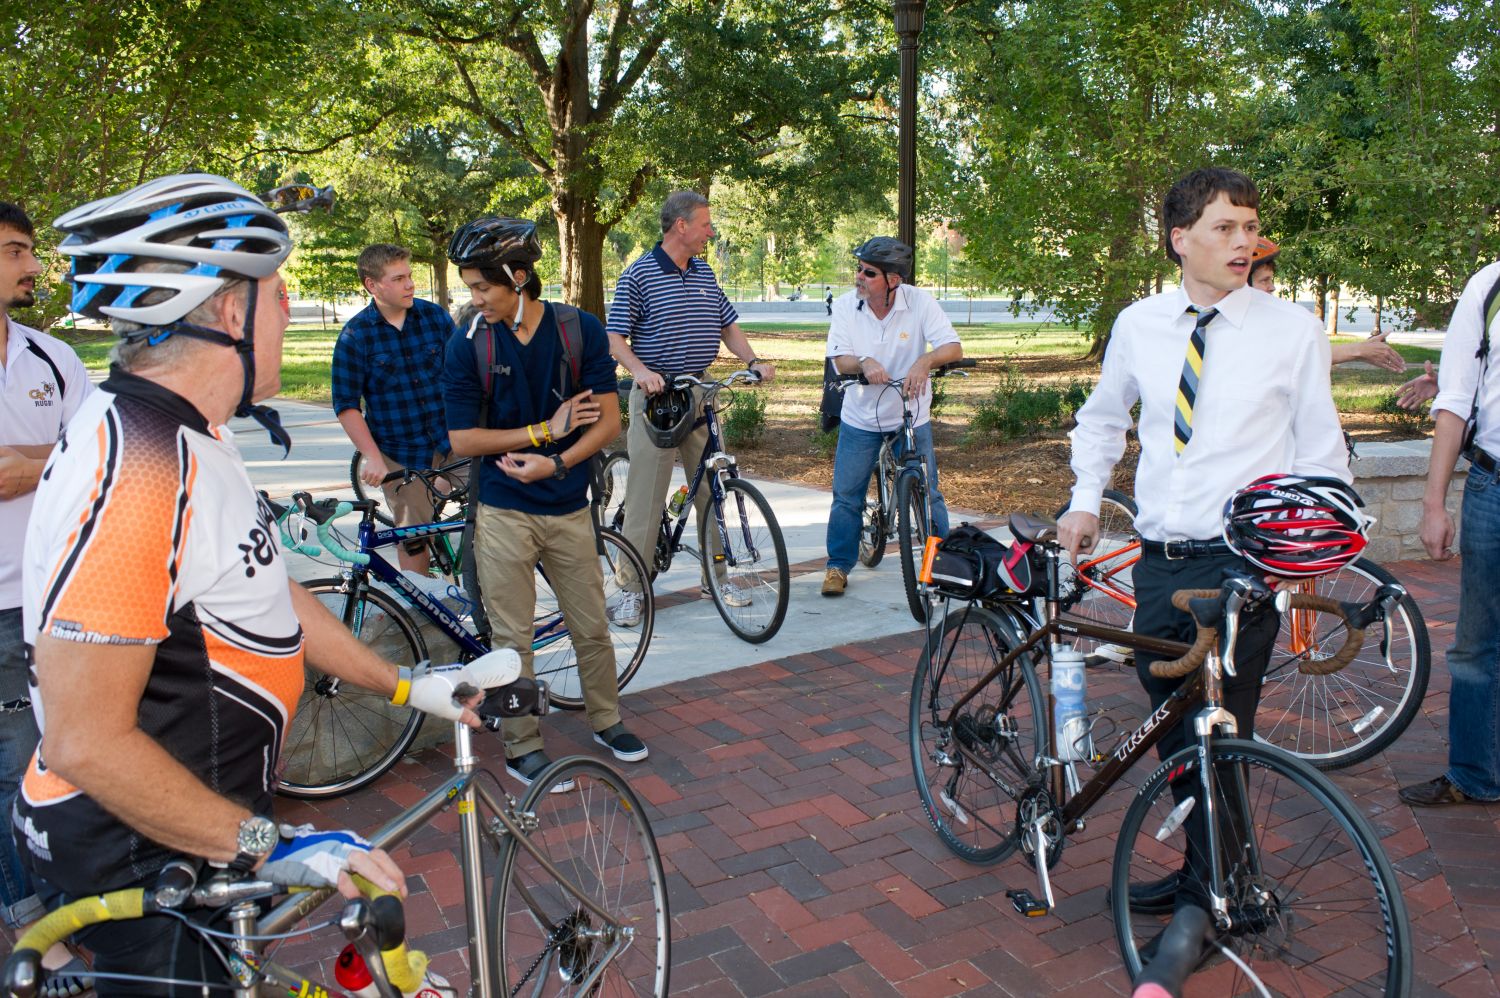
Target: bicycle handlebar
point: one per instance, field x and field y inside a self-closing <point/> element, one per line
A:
<point x="427" y="477"/>
<point x="1208" y="606"/>
<point x="845" y="380"/>
<point x="690" y="381"/>
<point x="323" y="512"/>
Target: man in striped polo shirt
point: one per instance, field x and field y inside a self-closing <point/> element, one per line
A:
<point x="668" y="317"/>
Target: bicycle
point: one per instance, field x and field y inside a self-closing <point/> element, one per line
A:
<point x="576" y="905"/>
<point x="901" y="509"/>
<point x="1332" y="718"/>
<point x="753" y="593"/>
<point x="344" y="738"/>
<point x="1287" y="854"/>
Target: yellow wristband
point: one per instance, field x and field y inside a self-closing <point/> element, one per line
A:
<point x="547" y="431"/>
<point x="531" y="432"/>
<point x="403" y="686"/>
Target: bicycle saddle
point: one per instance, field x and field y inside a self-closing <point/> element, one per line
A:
<point x="1032" y="528"/>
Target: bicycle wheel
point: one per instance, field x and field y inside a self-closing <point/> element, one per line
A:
<point x="342" y="737"/>
<point x="1347" y="717"/>
<point x="912" y="528"/>
<point x="876" y="525"/>
<point x="613" y="477"/>
<point x="554" y="657"/>
<point x="1103" y="582"/>
<point x="1314" y="904"/>
<point x="363" y="491"/>
<point x="971" y="774"/>
<point x="753" y="592"/>
<point x="599" y="840"/>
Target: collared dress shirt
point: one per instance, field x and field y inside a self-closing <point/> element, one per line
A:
<point x="673" y="317"/>
<point x="396" y="372"/>
<point x="1458" y="373"/>
<point x="915" y="323"/>
<point x="1264" y="407"/>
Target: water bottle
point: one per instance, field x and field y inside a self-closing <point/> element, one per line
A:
<point x="679" y="500"/>
<point x="1070" y="719"/>
<point x="354" y="977"/>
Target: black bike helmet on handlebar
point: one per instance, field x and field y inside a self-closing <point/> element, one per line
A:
<point x="670" y="416"/>
<point x="494" y="242"/>
<point x="1296" y="527"/>
<point x="890" y="255"/>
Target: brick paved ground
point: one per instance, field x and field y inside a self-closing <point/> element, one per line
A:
<point x="800" y="862"/>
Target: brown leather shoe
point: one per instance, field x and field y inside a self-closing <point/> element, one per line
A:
<point x="1436" y="793"/>
<point x="835" y="581"/>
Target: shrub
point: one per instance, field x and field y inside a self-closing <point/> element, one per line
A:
<point x="1018" y="408"/>
<point x="744" y="421"/>
<point x="939" y="395"/>
<point x="1396" y="417"/>
<point x="825" y="442"/>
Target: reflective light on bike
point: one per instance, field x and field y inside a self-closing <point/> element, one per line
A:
<point x="1175" y="819"/>
<point x="959" y="814"/>
<point x="1368" y="721"/>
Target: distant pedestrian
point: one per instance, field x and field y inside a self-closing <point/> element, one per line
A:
<point x="828" y="299"/>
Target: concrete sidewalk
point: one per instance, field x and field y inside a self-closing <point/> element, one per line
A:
<point x="875" y="605"/>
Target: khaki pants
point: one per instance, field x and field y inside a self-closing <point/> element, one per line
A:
<point x="650" y="477"/>
<point x="508" y="546"/>
<point x="410" y="503"/>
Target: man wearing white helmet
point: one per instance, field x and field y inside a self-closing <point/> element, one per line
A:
<point x="167" y="641"/>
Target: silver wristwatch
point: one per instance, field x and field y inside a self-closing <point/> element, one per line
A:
<point x="257" y="837"/>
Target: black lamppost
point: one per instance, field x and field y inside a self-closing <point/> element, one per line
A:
<point x="908" y="29"/>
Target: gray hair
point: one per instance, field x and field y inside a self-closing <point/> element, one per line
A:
<point x="680" y="204"/>
<point x="138" y="355"/>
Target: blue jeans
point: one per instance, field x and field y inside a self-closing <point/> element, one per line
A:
<point x="1474" y="659"/>
<point x="18" y="738"/>
<point x="853" y="463"/>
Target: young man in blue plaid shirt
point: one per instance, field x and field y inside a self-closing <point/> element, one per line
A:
<point x="387" y="360"/>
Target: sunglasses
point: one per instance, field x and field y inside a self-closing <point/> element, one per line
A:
<point x="867" y="271"/>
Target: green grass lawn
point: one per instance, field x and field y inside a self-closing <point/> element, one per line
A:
<point x="797" y="349"/>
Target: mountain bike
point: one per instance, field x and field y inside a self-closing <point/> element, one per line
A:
<point x="564" y="893"/>
<point x="739" y="540"/>
<point x="1301" y="896"/>
<point x="901" y="509"/>
<point x="343" y="738"/>
<point x="1330" y="717"/>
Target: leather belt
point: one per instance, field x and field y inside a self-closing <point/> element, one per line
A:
<point x="1482" y="460"/>
<point x="1178" y="550"/>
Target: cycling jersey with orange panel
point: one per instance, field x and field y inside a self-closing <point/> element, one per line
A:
<point x="147" y="531"/>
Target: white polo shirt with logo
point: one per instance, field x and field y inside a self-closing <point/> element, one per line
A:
<point x="915" y="324"/>
<point x="34" y="408"/>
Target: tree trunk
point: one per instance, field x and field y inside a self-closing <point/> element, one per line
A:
<point x="1119" y="290"/>
<point x="1379" y="308"/>
<point x="440" y="283"/>
<point x="581" y="246"/>
<point x="1320" y="298"/>
<point x="1333" y="313"/>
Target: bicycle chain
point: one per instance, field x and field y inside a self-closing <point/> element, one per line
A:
<point x="553" y="938"/>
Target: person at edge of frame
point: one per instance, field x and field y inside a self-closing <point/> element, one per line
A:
<point x="1261" y="405"/>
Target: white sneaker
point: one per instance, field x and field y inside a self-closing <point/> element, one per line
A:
<point x="627" y="612"/>
<point x="728" y="592"/>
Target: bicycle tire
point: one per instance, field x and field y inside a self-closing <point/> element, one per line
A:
<point x="1345" y="718"/>
<point x="598" y="837"/>
<point x="974" y="817"/>
<point x="913" y="524"/>
<point x="1313" y="857"/>
<point x="556" y="662"/>
<point x="343" y="738"/>
<point x="875" y="526"/>
<point x="1117" y="512"/>
<point x="364" y="492"/>
<point x="614" y="475"/>
<point x="755" y="578"/>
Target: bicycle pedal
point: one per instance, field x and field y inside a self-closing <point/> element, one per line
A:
<point x="1026" y="904"/>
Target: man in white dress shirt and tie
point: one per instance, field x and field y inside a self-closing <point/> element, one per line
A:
<point x="1261" y="405"/>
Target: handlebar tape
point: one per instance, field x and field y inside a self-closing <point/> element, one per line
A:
<point x="325" y="534"/>
<point x="23" y="971"/>
<point x="405" y="968"/>
<point x="1192" y="601"/>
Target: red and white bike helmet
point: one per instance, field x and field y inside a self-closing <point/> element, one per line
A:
<point x="1296" y="527"/>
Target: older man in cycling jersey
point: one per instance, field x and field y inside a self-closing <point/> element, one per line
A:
<point x="167" y="640"/>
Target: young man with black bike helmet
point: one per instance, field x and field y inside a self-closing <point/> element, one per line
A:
<point x="885" y="329"/>
<point x="530" y="388"/>
<point x="1233" y="385"/>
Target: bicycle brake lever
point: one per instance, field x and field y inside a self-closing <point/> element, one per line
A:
<point x="1234" y="601"/>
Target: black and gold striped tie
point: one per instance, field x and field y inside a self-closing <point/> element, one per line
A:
<point x="1192" y="367"/>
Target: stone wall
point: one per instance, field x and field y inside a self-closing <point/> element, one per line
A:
<point x="1391" y="478"/>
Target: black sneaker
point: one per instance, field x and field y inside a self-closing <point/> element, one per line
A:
<point x="625" y="746"/>
<point x="529" y="766"/>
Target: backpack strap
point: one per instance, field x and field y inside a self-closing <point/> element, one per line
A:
<point x="36" y="348"/>
<point x="1489" y="312"/>
<point x="483" y="338"/>
<point x="570" y="334"/>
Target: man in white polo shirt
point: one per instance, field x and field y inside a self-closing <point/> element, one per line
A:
<point x="42" y="384"/>
<point x="886" y="330"/>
